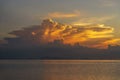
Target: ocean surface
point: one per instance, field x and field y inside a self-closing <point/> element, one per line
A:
<point x="59" y="69"/>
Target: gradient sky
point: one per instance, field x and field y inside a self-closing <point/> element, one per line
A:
<point x="15" y="14"/>
<point x="78" y="27"/>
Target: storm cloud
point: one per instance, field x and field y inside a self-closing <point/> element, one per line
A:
<point x="94" y="35"/>
<point x="61" y="41"/>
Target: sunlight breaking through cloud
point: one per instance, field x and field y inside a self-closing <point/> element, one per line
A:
<point x="94" y="35"/>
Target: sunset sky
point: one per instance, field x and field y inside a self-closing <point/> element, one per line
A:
<point x="92" y="22"/>
<point x="42" y="25"/>
<point x="15" y="14"/>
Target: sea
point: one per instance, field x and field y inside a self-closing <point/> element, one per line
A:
<point x="59" y="69"/>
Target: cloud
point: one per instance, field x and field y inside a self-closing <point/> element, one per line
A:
<point x="108" y="3"/>
<point x="53" y="40"/>
<point x="93" y="35"/>
<point x="2" y="41"/>
<point x="63" y="15"/>
<point x="92" y="20"/>
<point x="3" y="34"/>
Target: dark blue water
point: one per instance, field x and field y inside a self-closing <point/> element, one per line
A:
<point x="59" y="69"/>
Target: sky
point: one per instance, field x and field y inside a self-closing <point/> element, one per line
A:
<point x="53" y="23"/>
<point x="16" y="14"/>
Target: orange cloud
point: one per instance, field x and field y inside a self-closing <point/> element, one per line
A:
<point x="92" y="20"/>
<point x="99" y="35"/>
<point x="63" y="15"/>
<point x="94" y="36"/>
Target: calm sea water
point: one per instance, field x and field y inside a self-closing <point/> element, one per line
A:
<point x="59" y="69"/>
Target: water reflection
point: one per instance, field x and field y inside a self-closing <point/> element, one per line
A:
<point x="59" y="70"/>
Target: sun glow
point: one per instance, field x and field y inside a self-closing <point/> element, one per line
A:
<point x="93" y="35"/>
<point x="78" y="34"/>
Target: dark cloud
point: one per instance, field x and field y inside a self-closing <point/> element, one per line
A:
<point x="3" y="41"/>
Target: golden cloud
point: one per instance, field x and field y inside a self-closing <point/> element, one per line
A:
<point x="97" y="35"/>
<point x="63" y="15"/>
<point x="92" y="20"/>
<point x="93" y="35"/>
